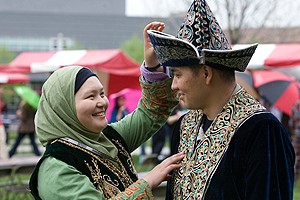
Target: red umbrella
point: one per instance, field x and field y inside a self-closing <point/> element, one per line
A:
<point x="245" y="80"/>
<point x="278" y="89"/>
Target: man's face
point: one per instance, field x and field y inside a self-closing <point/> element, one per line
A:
<point x="190" y="86"/>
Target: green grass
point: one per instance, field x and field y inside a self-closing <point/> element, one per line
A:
<point x="297" y="191"/>
<point x="12" y="195"/>
<point x="142" y="167"/>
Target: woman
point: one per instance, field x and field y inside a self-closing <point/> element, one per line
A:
<point x="87" y="159"/>
<point x="119" y="110"/>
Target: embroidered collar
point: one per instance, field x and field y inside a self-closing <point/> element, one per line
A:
<point x="74" y="142"/>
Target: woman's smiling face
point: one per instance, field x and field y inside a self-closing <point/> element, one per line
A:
<point x="91" y="105"/>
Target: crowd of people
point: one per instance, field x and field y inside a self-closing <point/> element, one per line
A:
<point x="224" y="144"/>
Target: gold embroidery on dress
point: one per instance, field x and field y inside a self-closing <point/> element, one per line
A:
<point x="192" y="178"/>
<point x="122" y="150"/>
<point x="109" y="186"/>
<point x="104" y="183"/>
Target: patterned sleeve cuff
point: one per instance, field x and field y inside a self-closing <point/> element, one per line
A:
<point x="158" y="98"/>
<point x="147" y="186"/>
<point x="138" y="190"/>
<point x="153" y="76"/>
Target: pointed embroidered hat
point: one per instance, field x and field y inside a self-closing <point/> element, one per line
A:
<point x="200" y="40"/>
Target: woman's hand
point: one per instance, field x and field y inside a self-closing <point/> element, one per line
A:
<point x="162" y="171"/>
<point x="149" y="54"/>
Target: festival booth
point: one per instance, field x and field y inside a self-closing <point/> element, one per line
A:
<point x="116" y="70"/>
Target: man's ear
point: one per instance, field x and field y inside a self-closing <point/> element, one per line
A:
<point x="208" y="74"/>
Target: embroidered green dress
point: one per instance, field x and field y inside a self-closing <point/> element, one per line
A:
<point x="78" y="164"/>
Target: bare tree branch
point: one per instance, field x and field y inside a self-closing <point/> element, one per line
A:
<point x="243" y="14"/>
<point x="237" y="17"/>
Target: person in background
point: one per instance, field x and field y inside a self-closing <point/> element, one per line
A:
<point x="87" y="158"/>
<point x="233" y="147"/>
<point x="159" y="138"/>
<point x="3" y="133"/>
<point x="282" y="117"/>
<point x="5" y="121"/>
<point x="294" y="124"/>
<point x="119" y="110"/>
<point x="26" y="127"/>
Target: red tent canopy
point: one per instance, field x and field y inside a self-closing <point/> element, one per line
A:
<point x="274" y="56"/>
<point x="116" y="70"/>
<point x="6" y="78"/>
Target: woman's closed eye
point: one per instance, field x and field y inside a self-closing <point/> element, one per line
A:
<point x="91" y="96"/>
<point x="102" y="94"/>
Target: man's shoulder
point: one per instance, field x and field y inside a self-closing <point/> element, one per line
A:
<point x="263" y="116"/>
<point x="261" y="121"/>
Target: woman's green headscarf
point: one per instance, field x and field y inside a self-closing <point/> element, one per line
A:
<point x="56" y="114"/>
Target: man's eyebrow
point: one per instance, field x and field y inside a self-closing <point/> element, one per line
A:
<point x="174" y="70"/>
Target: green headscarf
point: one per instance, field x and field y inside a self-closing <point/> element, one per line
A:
<point x="56" y="115"/>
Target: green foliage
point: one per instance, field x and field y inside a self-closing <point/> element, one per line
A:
<point x="8" y="92"/>
<point x="134" y="48"/>
<point x="6" y="56"/>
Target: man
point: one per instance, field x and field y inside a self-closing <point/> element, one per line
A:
<point x="234" y="148"/>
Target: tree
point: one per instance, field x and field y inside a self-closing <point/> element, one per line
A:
<point x="134" y="48"/>
<point x="239" y="15"/>
<point x="6" y="56"/>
